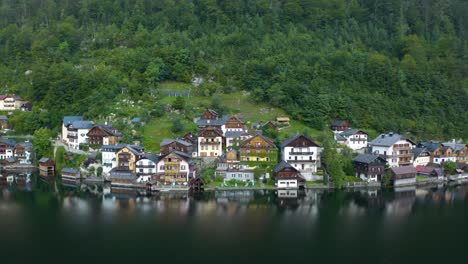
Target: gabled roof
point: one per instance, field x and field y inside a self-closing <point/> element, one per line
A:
<point x="339" y="123"/>
<point x="418" y="151"/>
<point x="168" y="141"/>
<point x="387" y="140"/>
<point x="8" y="142"/>
<point x="109" y="130"/>
<point x="289" y="140"/>
<point x="70" y="119"/>
<point x="211" y="122"/>
<point x="3" y="117"/>
<point x="235" y="134"/>
<point x="455" y="146"/>
<point x="135" y="150"/>
<point x="114" y="147"/>
<point x="350" y="132"/>
<point x="82" y="124"/>
<point x="430" y="146"/>
<point x="182" y="155"/>
<point x="210" y="131"/>
<point x="368" y="158"/>
<point x="28" y="146"/>
<point x="44" y="160"/>
<point x="282" y="165"/>
<point x="153" y="157"/>
<point x="267" y="140"/>
<point x="124" y="175"/>
<point x="404" y="170"/>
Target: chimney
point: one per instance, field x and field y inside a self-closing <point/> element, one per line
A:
<point x="391" y="134"/>
<point x="383" y="135"/>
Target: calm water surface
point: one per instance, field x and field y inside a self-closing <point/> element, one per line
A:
<point x="57" y="223"/>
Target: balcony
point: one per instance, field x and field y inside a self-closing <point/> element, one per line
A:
<point x="301" y="153"/>
<point x="402" y="148"/>
<point x="146" y="166"/>
<point x="403" y="155"/>
<point x="302" y="161"/>
<point x="358" y="139"/>
<point x="210" y="142"/>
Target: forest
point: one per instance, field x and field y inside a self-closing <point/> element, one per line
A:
<point x="393" y="65"/>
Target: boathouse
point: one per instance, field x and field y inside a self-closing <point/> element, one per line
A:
<point x="46" y="167"/>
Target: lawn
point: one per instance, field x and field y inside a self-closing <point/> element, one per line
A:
<point x="237" y="103"/>
<point x="314" y="183"/>
<point x="420" y="178"/>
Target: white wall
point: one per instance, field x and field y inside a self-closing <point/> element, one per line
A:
<point x="287" y="183"/>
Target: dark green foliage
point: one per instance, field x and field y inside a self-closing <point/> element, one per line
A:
<point x="450" y="167"/>
<point x="179" y="103"/>
<point x="397" y="65"/>
<point x="177" y="126"/>
<point x="41" y="143"/>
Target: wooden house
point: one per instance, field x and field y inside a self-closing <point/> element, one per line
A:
<point x="339" y="126"/>
<point x="46" y="167"/>
<point x="122" y="177"/>
<point x="127" y="157"/>
<point x="167" y="145"/>
<point x="286" y="176"/>
<point x="103" y="135"/>
<point x="175" y="167"/>
<point x="259" y="149"/>
<point x="210" y="114"/>
<point x="69" y="175"/>
<point x="405" y="175"/>
<point x="282" y="121"/>
<point x="4" y="122"/>
<point x="369" y="167"/>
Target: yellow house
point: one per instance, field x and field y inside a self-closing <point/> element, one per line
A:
<point x="128" y="156"/>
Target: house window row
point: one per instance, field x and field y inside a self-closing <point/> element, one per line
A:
<point x="182" y="167"/>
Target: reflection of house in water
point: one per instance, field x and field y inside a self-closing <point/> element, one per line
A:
<point x="371" y="199"/>
<point x="22" y="179"/>
<point x="243" y="196"/>
<point x="403" y="201"/>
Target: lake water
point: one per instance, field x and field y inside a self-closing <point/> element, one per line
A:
<point x="51" y="222"/>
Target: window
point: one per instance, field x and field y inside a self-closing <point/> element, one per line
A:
<point x="161" y="167"/>
<point x="258" y="159"/>
<point x="182" y="167"/>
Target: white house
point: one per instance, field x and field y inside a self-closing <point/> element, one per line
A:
<point x="67" y="120"/>
<point x="421" y="157"/>
<point x="77" y="133"/>
<point x="175" y="167"/>
<point x="109" y="154"/>
<point x="23" y="152"/>
<point x="354" y="139"/>
<point x="303" y="154"/>
<point x="210" y="142"/>
<point x="10" y="102"/>
<point x="395" y="148"/>
<point x="234" y="138"/>
<point x="7" y="148"/>
<point x="146" y="167"/>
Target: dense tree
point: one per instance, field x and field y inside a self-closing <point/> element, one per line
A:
<point x="41" y="143"/>
<point x="396" y="65"/>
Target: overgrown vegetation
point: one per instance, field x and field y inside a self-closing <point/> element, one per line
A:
<point x="398" y="65"/>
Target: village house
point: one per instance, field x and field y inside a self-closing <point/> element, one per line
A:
<point x="287" y="176"/>
<point x="109" y="157"/>
<point x="235" y="138"/>
<point x="167" y="145"/>
<point x="11" y="102"/>
<point x="46" y="167"/>
<point x="175" y="168"/>
<point x="71" y="175"/>
<point x="229" y="167"/>
<point x="68" y="120"/>
<point x="303" y="154"/>
<point x="210" y="118"/>
<point x="122" y="178"/>
<point x="259" y="151"/>
<point x="421" y="157"/>
<point x="4" y="122"/>
<point x="127" y="157"/>
<point x="404" y="175"/>
<point x="77" y="133"/>
<point x="440" y="153"/>
<point x="282" y="121"/>
<point x="369" y="167"/>
<point x="460" y="151"/>
<point x="23" y="152"/>
<point x="339" y="126"/>
<point x="103" y="134"/>
<point x="354" y="139"/>
<point x="210" y="142"/>
<point x="7" y="148"/>
<point x="394" y="148"/>
<point x="430" y="171"/>
<point x="146" y="167"/>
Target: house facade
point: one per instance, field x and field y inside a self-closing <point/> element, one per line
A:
<point x="146" y="167"/>
<point x="7" y="148"/>
<point x="421" y="157"/>
<point x="369" y="167"/>
<point x="103" y="135"/>
<point x="287" y="176"/>
<point x="46" y="167"/>
<point x="11" y="102"/>
<point x="394" y="148"/>
<point x="167" y="145"/>
<point x="230" y="168"/>
<point x="354" y="139"/>
<point x="127" y="157"/>
<point x="210" y="142"/>
<point x="77" y="133"/>
<point x="303" y="154"/>
<point x="175" y="168"/>
<point x="258" y="150"/>
<point x="68" y="120"/>
<point x="109" y="157"/>
<point x="339" y="126"/>
<point x="23" y="152"/>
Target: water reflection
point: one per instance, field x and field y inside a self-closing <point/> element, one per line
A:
<point x="281" y="222"/>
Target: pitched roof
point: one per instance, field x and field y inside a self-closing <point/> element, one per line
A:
<point x="70" y="119"/>
<point x="9" y="142"/>
<point x="350" y="132"/>
<point x="211" y="122"/>
<point x="430" y="146"/>
<point x="235" y="134"/>
<point x="387" y="140"/>
<point x="82" y="124"/>
<point x="124" y="175"/>
<point x="168" y="141"/>
<point x="455" y="146"/>
<point x="210" y="131"/>
<point x="289" y="140"/>
<point x="339" y="122"/>
<point x="153" y="157"/>
<point x="109" y="130"/>
<point x="404" y="170"/>
<point x="182" y="155"/>
<point x="283" y="164"/>
<point x="44" y="160"/>
<point x="26" y="145"/>
<point x="417" y="151"/>
<point x="3" y="117"/>
<point x="113" y="147"/>
<point x="367" y="158"/>
<point x="269" y="141"/>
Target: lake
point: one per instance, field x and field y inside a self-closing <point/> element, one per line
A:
<point x="51" y="222"/>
